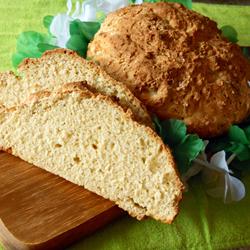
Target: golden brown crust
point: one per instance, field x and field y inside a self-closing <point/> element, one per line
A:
<point x="7" y="150"/>
<point x="142" y="113"/>
<point x="7" y="74"/>
<point x="176" y="62"/>
<point x="37" y="96"/>
<point x="27" y="61"/>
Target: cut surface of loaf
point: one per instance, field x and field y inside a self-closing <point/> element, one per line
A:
<point x="89" y="140"/>
<point x="60" y="66"/>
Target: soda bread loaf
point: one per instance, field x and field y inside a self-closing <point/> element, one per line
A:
<point x="177" y="63"/>
<point x="88" y="139"/>
<point x="61" y="66"/>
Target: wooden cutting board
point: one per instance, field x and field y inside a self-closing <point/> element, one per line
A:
<point x="39" y="210"/>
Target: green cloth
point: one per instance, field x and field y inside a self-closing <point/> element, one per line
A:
<point x="203" y="222"/>
<point x="236" y="16"/>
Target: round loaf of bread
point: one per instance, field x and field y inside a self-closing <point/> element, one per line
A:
<point x="176" y="61"/>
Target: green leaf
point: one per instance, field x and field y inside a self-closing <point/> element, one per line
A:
<point x="174" y="131"/>
<point x="30" y="44"/>
<point x="78" y="44"/>
<point x="86" y="29"/>
<point x="158" y="126"/>
<point x="236" y="134"/>
<point x="185" y="147"/>
<point x="47" y="20"/>
<point x="17" y="58"/>
<point x="27" y="46"/>
<point x="237" y="141"/>
<point x="187" y="151"/>
<point x="45" y="46"/>
<point x="247" y="132"/>
<point x="81" y="33"/>
<point x="242" y="151"/>
<point x="27" y="42"/>
<point x="74" y="28"/>
<point x="230" y="33"/>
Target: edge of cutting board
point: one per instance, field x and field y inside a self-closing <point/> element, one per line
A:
<point x="9" y="241"/>
<point x="39" y="210"/>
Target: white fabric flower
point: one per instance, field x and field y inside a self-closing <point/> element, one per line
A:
<point x="111" y="5"/>
<point x="87" y="11"/>
<point x="60" y="24"/>
<point x="138" y="1"/>
<point x="59" y="28"/>
<point x="221" y="184"/>
<point x="216" y="176"/>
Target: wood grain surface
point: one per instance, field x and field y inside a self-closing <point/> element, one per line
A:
<point x="39" y="210"/>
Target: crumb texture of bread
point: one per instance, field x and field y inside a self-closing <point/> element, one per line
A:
<point x="177" y="63"/>
<point x="89" y="140"/>
<point x="60" y="66"/>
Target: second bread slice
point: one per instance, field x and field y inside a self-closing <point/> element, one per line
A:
<point x="60" y="66"/>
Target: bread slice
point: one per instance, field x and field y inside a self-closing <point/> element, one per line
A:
<point x="89" y="140"/>
<point x="60" y="66"/>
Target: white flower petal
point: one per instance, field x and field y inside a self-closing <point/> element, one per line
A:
<point x="236" y="189"/>
<point x="77" y="11"/>
<point x="219" y="160"/>
<point x="118" y="4"/>
<point x="69" y="7"/>
<point x="109" y="5"/>
<point x="59" y="28"/>
<point x="216" y="177"/>
<point x="88" y="12"/>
